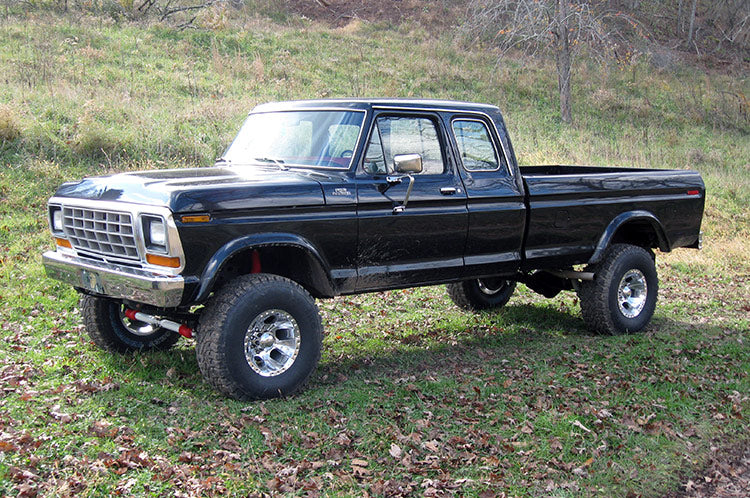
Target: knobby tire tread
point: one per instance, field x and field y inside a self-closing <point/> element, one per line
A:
<point x="97" y="320"/>
<point x="211" y="361"/>
<point x="594" y="296"/>
<point x="461" y="293"/>
<point x="459" y="296"/>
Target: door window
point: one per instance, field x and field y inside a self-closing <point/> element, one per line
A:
<point x="475" y="145"/>
<point x="394" y="135"/>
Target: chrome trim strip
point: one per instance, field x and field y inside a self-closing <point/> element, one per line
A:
<point x="455" y="110"/>
<point x="114" y="280"/>
<point x="404" y="267"/>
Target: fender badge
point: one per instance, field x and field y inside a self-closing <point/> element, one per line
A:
<point x="341" y="191"/>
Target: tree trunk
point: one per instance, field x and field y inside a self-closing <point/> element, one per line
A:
<point x="692" y="22"/>
<point x="563" y="61"/>
<point x="679" y="17"/>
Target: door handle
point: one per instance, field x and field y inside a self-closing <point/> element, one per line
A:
<point x="448" y="190"/>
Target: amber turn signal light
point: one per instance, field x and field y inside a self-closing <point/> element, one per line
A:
<point x="155" y="259"/>
<point x="63" y="242"/>
<point x="196" y="218"/>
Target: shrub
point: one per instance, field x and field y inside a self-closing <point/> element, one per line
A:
<point x="10" y="128"/>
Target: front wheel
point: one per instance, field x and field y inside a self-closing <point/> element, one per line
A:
<point x="259" y="337"/>
<point x="111" y="330"/>
<point x="622" y="297"/>
<point x="482" y="293"/>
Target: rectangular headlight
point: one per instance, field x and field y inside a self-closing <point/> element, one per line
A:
<point x="56" y="218"/>
<point x="155" y="233"/>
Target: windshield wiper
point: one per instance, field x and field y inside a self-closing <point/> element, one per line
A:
<point x="277" y="162"/>
<point x="223" y="159"/>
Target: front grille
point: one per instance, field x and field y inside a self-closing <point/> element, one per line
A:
<point x="107" y="233"/>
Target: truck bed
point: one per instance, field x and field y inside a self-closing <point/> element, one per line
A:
<point x="571" y="208"/>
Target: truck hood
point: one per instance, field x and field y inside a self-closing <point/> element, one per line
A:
<point x="207" y="189"/>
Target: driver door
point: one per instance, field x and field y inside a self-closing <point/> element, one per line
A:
<point x="424" y="242"/>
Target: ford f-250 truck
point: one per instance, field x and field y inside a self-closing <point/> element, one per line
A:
<point x="316" y="199"/>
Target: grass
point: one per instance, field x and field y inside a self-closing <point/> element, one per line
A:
<point x="522" y="401"/>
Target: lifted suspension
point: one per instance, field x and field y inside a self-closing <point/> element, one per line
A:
<point x="180" y="328"/>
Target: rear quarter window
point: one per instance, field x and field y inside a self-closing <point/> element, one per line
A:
<point x="475" y="146"/>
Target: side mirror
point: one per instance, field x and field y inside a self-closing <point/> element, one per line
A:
<point x="407" y="163"/>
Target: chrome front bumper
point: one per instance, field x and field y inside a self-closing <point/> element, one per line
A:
<point x="115" y="281"/>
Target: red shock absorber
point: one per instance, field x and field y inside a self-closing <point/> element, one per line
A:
<point x="255" y="262"/>
<point x="180" y="328"/>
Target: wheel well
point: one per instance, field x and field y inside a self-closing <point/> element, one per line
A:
<point x="641" y="233"/>
<point x="294" y="263"/>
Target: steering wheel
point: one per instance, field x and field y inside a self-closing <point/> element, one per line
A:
<point x="347" y="153"/>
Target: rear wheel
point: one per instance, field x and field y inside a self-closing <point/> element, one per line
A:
<point x="622" y="297"/>
<point x="481" y="294"/>
<point x="259" y="337"/>
<point x="111" y="330"/>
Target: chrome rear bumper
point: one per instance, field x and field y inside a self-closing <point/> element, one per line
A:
<point x="115" y="281"/>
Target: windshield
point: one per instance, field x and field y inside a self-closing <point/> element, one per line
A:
<point x="297" y="138"/>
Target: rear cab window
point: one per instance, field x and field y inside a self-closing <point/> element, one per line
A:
<point x="477" y="149"/>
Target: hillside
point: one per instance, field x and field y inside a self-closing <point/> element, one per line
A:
<point x="522" y="402"/>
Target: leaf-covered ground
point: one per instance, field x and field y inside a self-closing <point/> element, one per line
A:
<point x="412" y="397"/>
<point x="727" y="475"/>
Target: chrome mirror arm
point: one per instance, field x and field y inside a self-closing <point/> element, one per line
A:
<point x="402" y="207"/>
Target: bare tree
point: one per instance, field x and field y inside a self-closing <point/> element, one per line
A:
<point x="731" y="19"/>
<point x="538" y="27"/>
<point x="721" y="24"/>
<point x="692" y="23"/>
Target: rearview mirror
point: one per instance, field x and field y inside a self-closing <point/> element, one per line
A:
<point x="407" y="163"/>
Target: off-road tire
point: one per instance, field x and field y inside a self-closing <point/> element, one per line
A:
<point x="470" y="296"/>
<point x="224" y="324"/>
<point x="599" y="298"/>
<point x="105" y="325"/>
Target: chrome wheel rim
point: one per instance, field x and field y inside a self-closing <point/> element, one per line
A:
<point x="632" y="293"/>
<point x="272" y="343"/>
<point x="492" y="286"/>
<point x="136" y="327"/>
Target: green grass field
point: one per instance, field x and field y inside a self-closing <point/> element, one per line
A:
<point x="412" y="396"/>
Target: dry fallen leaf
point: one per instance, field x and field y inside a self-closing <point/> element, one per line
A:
<point x="395" y="451"/>
<point x="581" y="426"/>
<point x="431" y="446"/>
<point x="57" y="414"/>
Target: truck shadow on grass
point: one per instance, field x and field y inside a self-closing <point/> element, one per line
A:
<point x="527" y="333"/>
<point x="516" y="329"/>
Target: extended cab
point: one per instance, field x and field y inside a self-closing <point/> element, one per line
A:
<point x="316" y="199"/>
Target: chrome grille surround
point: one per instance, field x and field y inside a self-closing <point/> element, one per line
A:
<point x="112" y="232"/>
<point x="101" y="232"/>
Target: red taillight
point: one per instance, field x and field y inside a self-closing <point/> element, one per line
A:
<point x="694" y="192"/>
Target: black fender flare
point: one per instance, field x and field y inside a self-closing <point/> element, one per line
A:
<point x="258" y="241"/>
<point x="621" y="220"/>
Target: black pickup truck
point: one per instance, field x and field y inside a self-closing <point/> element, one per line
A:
<point x="316" y="199"/>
